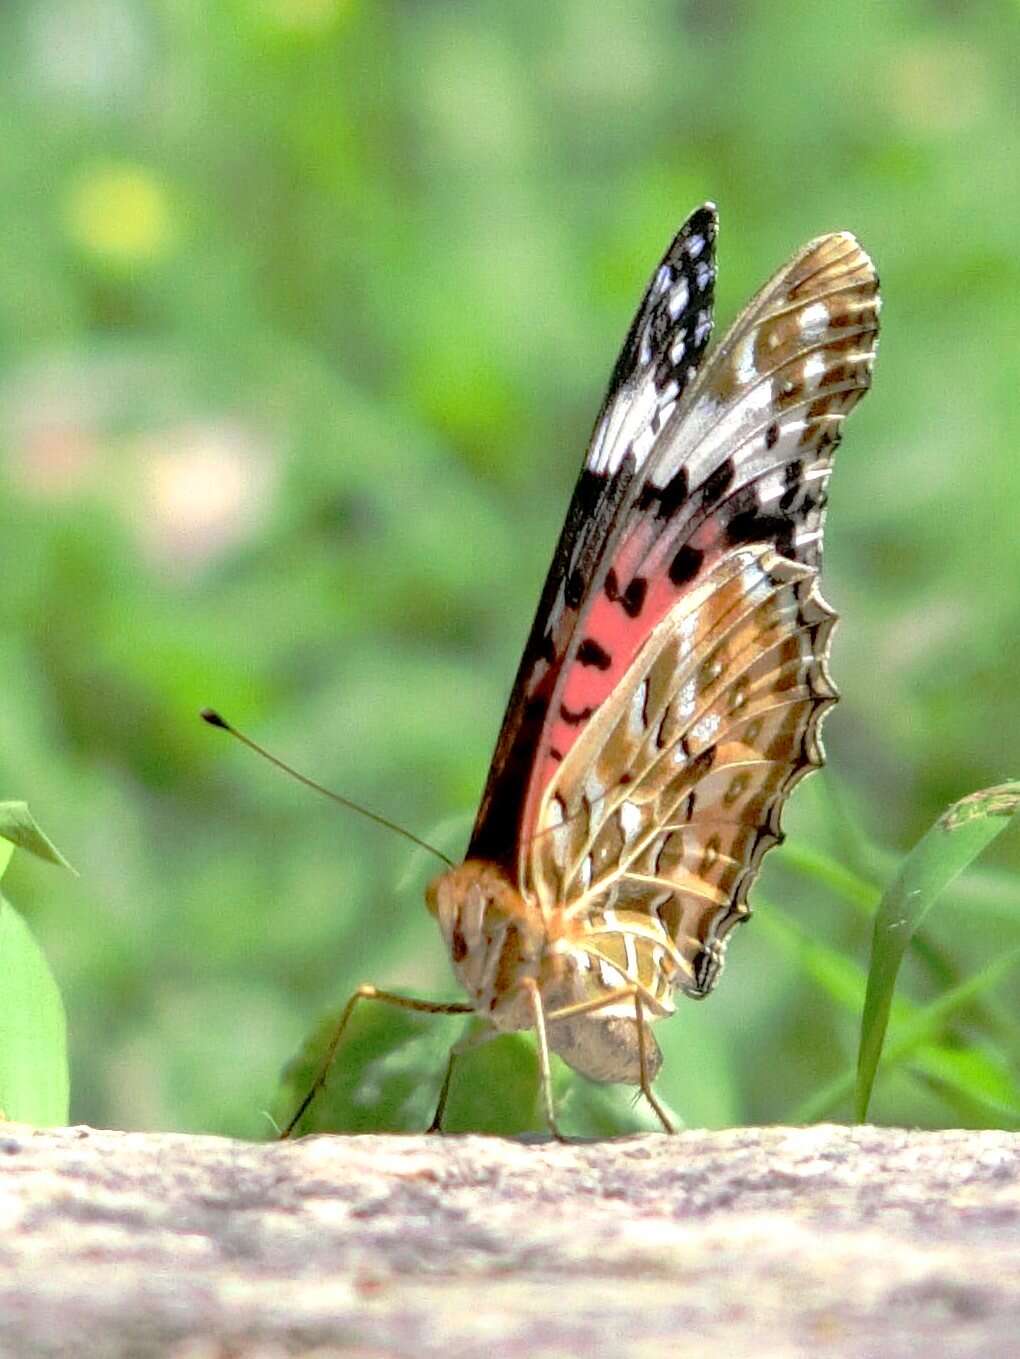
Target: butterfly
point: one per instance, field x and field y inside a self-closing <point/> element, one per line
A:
<point x="675" y="678"/>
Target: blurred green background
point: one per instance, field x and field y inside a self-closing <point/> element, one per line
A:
<point x="306" y="308"/>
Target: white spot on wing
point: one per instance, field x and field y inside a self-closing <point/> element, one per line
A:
<point x="814" y="321"/>
<point x="772" y="486"/>
<point x="814" y="367"/>
<point x="688" y="697"/>
<point x="636" y="716"/>
<point x="630" y="953"/>
<point x="630" y="820"/>
<point x="662" y="280"/>
<point x="743" y="359"/>
<point x="704" y="730"/>
<point x="610" y="975"/>
<point x="679" y="298"/>
<point x="807" y="536"/>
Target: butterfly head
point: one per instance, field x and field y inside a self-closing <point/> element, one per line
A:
<point x="493" y="935"/>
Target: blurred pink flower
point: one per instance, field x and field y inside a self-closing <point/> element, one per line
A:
<point x="204" y="489"/>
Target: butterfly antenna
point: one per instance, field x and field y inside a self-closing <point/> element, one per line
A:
<point x="216" y="720"/>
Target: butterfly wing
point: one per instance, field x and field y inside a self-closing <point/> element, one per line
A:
<point x="674" y="791"/>
<point x="741" y="461"/>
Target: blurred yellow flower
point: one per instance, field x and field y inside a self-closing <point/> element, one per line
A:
<point x="305" y="16"/>
<point x="120" y="212"/>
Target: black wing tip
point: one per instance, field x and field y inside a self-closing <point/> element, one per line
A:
<point x="704" y="222"/>
<point x="704" y="218"/>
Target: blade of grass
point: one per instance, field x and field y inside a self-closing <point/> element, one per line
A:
<point x="33" y="1030"/>
<point x="19" y="827"/>
<point x="957" y="838"/>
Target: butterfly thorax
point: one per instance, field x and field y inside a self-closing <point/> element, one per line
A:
<point x="496" y="939"/>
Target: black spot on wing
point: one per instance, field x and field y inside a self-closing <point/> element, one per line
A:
<point x="704" y="762"/>
<point x="718" y="482"/>
<point x="753" y="526"/>
<point x="772" y="435"/>
<point x="633" y="598"/>
<point x="572" y="718"/>
<point x="591" y="653"/>
<point x="685" y="565"/>
<point x="667" y="500"/>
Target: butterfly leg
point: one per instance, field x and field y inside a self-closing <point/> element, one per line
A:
<point x="631" y="992"/>
<point x="544" y="1067"/>
<point x="646" y="1085"/>
<point x="367" y="992"/>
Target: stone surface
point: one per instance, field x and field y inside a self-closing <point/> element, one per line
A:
<point x="775" y="1241"/>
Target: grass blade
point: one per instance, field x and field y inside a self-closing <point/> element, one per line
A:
<point x="33" y="1030"/>
<point x="958" y="837"/>
<point x="19" y="827"/>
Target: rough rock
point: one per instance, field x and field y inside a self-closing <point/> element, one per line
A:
<point x="774" y="1241"/>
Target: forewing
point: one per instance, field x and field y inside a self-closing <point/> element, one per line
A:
<point x="657" y="364"/>
<point x="743" y="459"/>
<point x="675" y="789"/>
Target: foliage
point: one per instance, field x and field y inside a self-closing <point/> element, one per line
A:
<point x="33" y="1029"/>
<point x="959" y="835"/>
<point x="305" y="310"/>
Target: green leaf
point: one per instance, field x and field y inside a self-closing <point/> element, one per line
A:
<point x="496" y="1089"/>
<point x="386" y="1076"/>
<point x="33" y="1029"/>
<point x="390" y="1067"/>
<point x="19" y="827"/>
<point x="958" y="837"/>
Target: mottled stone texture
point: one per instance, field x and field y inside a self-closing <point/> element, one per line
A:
<point x="774" y="1241"/>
